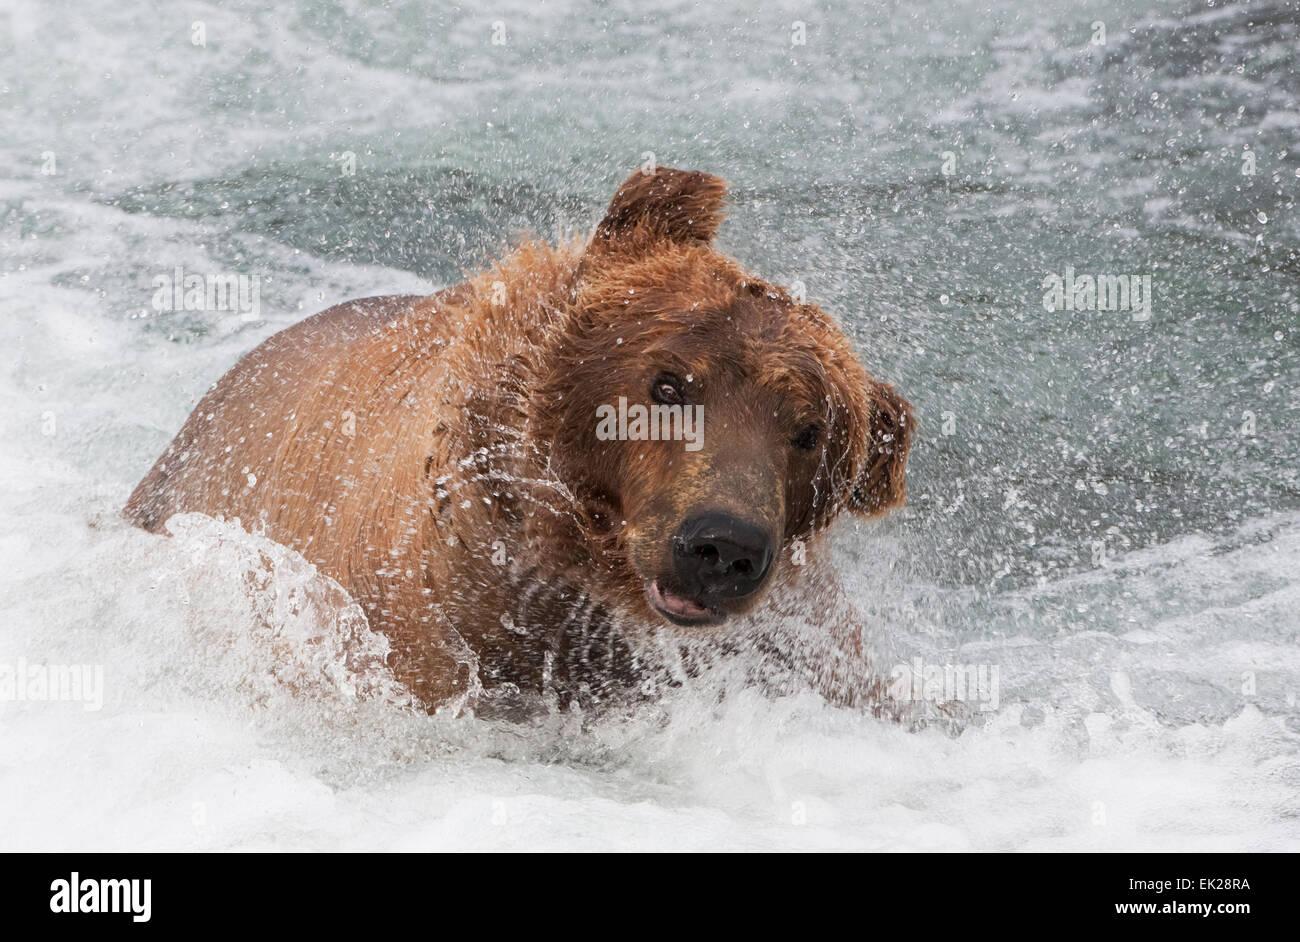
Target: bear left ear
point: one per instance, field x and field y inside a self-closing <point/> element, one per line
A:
<point x="882" y="483"/>
<point x="682" y="206"/>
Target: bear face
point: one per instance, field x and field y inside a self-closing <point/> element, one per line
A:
<point x="742" y="420"/>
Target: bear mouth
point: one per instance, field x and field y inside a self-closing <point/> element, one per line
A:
<point x="679" y="609"/>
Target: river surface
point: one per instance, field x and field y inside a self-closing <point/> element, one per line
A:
<point x="1104" y="504"/>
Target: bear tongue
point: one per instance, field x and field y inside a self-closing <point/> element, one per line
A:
<point x="677" y="604"/>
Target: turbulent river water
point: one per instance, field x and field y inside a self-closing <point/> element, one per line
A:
<point x="1105" y="504"/>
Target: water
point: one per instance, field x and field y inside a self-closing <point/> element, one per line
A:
<point x="1106" y="508"/>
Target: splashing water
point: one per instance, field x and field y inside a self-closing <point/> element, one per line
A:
<point x="1104" y="506"/>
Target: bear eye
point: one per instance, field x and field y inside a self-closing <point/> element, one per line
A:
<point x="809" y="437"/>
<point x="667" y="389"/>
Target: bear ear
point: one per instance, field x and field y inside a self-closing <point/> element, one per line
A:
<point x="683" y="206"/>
<point x="882" y="482"/>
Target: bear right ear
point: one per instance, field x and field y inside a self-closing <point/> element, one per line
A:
<point x="683" y="206"/>
<point x="882" y="483"/>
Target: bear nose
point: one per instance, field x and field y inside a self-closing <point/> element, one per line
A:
<point x="721" y="556"/>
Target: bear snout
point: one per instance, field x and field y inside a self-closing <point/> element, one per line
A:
<point x="719" y="556"/>
<point x="719" y="565"/>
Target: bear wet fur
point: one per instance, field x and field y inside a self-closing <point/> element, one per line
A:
<point x="438" y="456"/>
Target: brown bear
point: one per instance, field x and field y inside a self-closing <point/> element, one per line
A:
<point x="523" y="478"/>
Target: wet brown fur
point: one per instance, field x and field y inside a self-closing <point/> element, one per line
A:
<point x="437" y="456"/>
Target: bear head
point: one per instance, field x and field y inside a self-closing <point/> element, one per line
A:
<point x="703" y="418"/>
